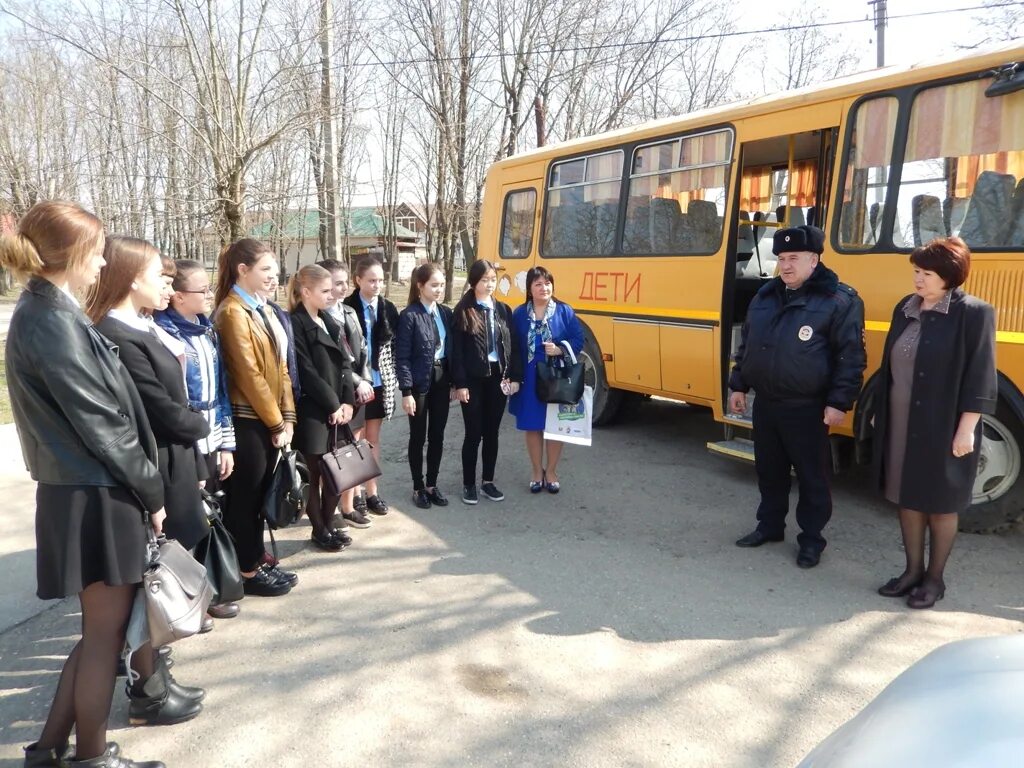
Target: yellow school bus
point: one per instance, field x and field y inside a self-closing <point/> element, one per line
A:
<point x="659" y="235"/>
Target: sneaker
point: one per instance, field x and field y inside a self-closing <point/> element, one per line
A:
<point x="421" y="499"/>
<point x="437" y="498"/>
<point x="262" y="584"/>
<point x="469" y="494"/>
<point x="376" y="505"/>
<point x="356" y="519"/>
<point x="490" y="491"/>
<point x="288" y="577"/>
<point x="359" y="502"/>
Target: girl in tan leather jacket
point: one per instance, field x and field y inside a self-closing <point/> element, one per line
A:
<point x="261" y="398"/>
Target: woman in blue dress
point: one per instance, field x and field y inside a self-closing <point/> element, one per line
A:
<point x="541" y="325"/>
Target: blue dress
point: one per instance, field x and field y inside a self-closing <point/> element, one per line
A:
<point x="525" y="405"/>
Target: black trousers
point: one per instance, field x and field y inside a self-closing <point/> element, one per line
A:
<point x="255" y="456"/>
<point x="427" y="428"/>
<point x="482" y="417"/>
<point x="792" y="436"/>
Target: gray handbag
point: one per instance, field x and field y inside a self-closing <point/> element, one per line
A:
<point x="177" y="592"/>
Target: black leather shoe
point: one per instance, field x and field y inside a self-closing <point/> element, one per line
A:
<point x="436" y="497"/>
<point x="421" y="499"/>
<point x="808" y="557"/>
<point x="926" y="595"/>
<point x="325" y="540"/>
<point x="342" y="538"/>
<point x="756" y="538"/>
<point x="901" y="586"/>
<point x="288" y="577"/>
<point x="184" y="691"/>
<point x="262" y="584"/>
<point x="155" y="703"/>
<point x="224" y="610"/>
<point x="376" y="505"/>
<point x="43" y="758"/>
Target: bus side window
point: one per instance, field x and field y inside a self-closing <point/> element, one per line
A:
<point x="965" y="148"/>
<point x="677" y="193"/>
<point x="868" y="159"/>
<point x="517" y="224"/>
<point x="581" y="211"/>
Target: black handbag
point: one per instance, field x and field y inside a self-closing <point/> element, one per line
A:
<point x="217" y="553"/>
<point x="348" y="465"/>
<point x="288" y="492"/>
<point x="560" y="380"/>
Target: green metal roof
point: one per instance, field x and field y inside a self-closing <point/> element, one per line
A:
<point x="361" y="222"/>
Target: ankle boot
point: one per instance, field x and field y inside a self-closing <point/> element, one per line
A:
<point x="44" y="758"/>
<point x="113" y="749"/>
<point x="153" y="703"/>
<point x="184" y="691"/>
<point x="108" y="760"/>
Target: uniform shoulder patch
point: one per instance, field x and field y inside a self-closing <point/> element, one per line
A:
<point x="849" y="291"/>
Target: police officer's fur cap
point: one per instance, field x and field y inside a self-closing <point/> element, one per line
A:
<point x="803" y="238"/>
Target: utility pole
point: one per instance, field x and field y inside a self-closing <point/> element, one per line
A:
<point x="881" y="17"/>
<point x="329" y="216"/>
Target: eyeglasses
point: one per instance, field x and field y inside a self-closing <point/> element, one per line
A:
<point x="205" y="291"/>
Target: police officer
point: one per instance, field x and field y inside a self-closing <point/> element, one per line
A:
<point x="802" y="351"/>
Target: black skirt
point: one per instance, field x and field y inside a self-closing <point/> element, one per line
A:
<point x="86" y="534"/>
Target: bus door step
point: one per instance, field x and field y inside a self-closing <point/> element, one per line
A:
<point x="736" y="448"/>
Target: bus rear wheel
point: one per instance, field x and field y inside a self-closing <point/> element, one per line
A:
<point x="997" y="500"/>
<point x="606" y="399"/>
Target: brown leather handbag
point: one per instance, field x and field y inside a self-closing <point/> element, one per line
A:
<point x="349" y="464"/>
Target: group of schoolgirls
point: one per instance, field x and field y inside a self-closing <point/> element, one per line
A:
<point x="468" y="354"/>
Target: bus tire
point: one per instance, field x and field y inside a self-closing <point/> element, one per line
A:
<point x="606" y="399"/>
<point x="998" y="498"/>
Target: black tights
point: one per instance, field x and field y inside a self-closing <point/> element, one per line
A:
<point x="86" y="683"/>
<point x="942" y="532"/>
<point x="322" y="503"/>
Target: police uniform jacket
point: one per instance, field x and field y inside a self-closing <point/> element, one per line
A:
<point x="807" y="349"/>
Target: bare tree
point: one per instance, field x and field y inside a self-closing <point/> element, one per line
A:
<point x="1000" y="21"/>
<point x="811" y="55"/>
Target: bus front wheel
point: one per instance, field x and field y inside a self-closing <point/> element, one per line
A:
<point x="997" y="500"/>
<point x="606" y="399"/>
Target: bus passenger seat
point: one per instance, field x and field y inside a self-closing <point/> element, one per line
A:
<point x="873" y="212"/>
<point x="926" y="218"/>
<point x="796" y="215"/>
<point x="744" y="238"/>
<point x="636" y="237"/>
<point x="1015" y="234"/>
<point x="701" y="218"/>
<point x="988" y="210"/>
<point x="665" y="225"/>
<point x="605" y="219"/>
<point x="953" y="210"/>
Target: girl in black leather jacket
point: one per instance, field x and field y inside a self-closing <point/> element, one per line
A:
<point x="87" y="442"/>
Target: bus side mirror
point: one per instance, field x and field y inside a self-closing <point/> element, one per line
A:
<point x="1007" y="79"/>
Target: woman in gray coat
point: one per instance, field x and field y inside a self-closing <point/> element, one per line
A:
<point x="937" y="378"/>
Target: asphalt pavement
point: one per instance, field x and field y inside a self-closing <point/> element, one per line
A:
<point x="614" y="624"/>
